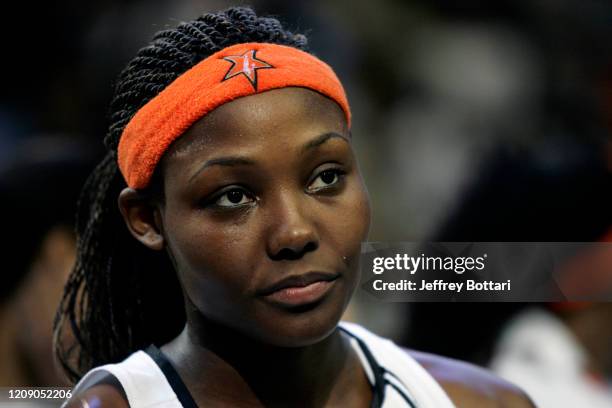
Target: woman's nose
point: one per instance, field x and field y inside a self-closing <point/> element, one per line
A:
<point x="291" y="233"/>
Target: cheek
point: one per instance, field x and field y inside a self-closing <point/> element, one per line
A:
<point x="347" y="223"/>
<point x="355" y="215"/>
<point x="212" y="259"/>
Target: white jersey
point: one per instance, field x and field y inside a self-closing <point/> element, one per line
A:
<point x="539" y="353"/>
<point x="397" y="380"/>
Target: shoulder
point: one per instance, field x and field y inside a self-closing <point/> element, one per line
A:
<point x="107" y="392"/>
<point x="469" y="385"/>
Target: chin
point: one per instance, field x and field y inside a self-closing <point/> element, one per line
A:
<point x="305" y="325"/>
<point x="301" y="334"/>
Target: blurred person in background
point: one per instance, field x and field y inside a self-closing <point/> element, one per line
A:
<point x="536" y="167"/>
<point x="561" y="352"/>
<point x="39" y="185"/>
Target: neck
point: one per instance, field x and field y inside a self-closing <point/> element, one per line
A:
<point x="220" y="363"/>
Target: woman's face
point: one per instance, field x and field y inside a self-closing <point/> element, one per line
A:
<point x="264" y="213"/>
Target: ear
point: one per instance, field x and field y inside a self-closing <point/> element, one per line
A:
<point x="142" y="218"/>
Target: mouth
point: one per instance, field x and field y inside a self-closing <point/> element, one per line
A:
<point x="300" y="290"/>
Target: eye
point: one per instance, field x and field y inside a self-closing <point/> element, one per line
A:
<point x="234" y="197"/>
<point x="325" y="179"/>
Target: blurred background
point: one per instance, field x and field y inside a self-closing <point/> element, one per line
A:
<point x="473" y="121"/>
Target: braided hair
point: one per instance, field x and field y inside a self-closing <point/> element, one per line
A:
<point x="120" y="296"/>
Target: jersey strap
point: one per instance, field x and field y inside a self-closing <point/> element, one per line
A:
<point x="402" y="374"/>
<point x="173" y="377"/>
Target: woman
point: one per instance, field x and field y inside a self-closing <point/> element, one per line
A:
<point x="230" y="154"/>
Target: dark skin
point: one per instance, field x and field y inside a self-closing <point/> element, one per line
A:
<point x="262" y="188"/>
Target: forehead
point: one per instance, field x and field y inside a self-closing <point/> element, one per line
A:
<point x="273" y="118"/>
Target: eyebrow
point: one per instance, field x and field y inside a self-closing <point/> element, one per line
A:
<point x="231" y="161"/>
<point x="318" y="141"/>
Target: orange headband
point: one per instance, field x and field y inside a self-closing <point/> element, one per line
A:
<point x="233" y="72"/>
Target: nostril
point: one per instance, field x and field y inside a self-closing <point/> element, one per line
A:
<point x="291" y="254"/>
<point x="287" y="254"/>
<point x="311" y="246"/>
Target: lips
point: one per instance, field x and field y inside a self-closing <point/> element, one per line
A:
<point x="299" y="289"/>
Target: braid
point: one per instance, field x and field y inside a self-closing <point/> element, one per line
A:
<point x="121" y="296"/>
